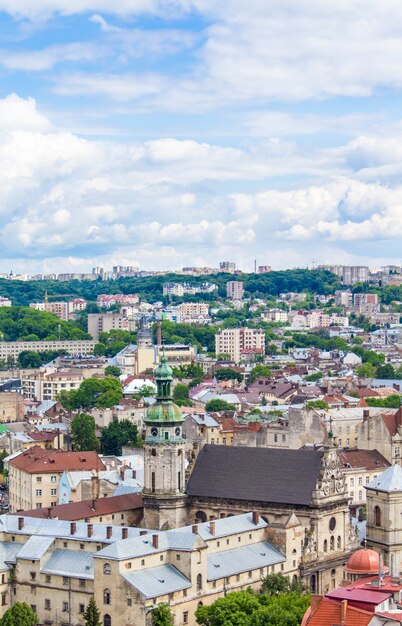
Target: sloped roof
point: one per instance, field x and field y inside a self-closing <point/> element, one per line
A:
<point x="389" y="481"/>
<point x="330" y="612"/>
<point x="369" y="459"/>
<point x="255" y="474"/>
<point x="39" y="461"/>
<point x="158" y="581"/>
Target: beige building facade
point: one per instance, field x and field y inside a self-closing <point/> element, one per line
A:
<point x="234" y="340"/>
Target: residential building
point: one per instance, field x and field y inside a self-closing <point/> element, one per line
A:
<point x="234" y="341"/>
<point x="227" y="266"/>
<point x="57" y="308"/>
<point x="12" y="349"/>
<point x="344" y="298"/>
<point x="264" y="269"/>
<point x="235" y="289"/>
<point x="105" y="301"/>
<point x="5" y="301"/>
<point x="179" y="289"/>
<point x="46" y="385"/>
<point x="193" y="313"/>
<point x="105" y="322"/>
<point x="34" y="475"/>
<point x="11" y="406"/>
<point x="382" y="430"/>
<point x="349" y="274"/>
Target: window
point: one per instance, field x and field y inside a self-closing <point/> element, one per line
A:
<point x="250" y="574"/>
<point x="48" y="578"/>
<point x="199" y="582"/>
<point x="38" y="493"/>
<point x="360" y="495"/>
<point x="177" y="557"/>
<point x="332" y="543"/>
<point x="360" y="480"/>
<point x="325" y="545"/>
<point x="185" y="617"/>
<point x="38" y="505"/>
<point x="64" y="544"/>
<point x="184" y="593"/>
<point x="107" y="597"/>
<point x="82" y="584"/>
<point x="237" y="577"/>
<point x="377" y="516"/>
<point x="107" y="569"/>
<point x="352" y="482"/>
<point x="153" y="482"/>
<point x="3" y="599"/>
<point x="107" y="620"/>
<point x="47" y="604"/>
<point x="65" y="607"/>
<point x="339" y="543"/>
<point x="65" y="580"/>
<point x="39" y="479"/>
<point x="283" y="438"/>
<point x="367" y="480"/>
<point x="161" y="557"/>
<point x="53" y="492"/>
<point x="351" y="494"/>
<point x="33" y="575"/>
<point x="275" y="438"/>
<point x="129" y="602"/>
<point x="81" y="608"/>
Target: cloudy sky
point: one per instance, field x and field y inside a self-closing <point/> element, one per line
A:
<point x="184" y="132"/>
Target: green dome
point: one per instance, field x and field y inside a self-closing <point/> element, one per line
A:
<point x="164" y="412"/>
<point x="163" y="371"/>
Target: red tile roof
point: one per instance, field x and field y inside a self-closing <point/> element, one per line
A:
<point x="43" y="436"/>
<point x="39" y="461"/>
<point x="75" y="511"/>
<point x="369" y="459"/>
<point x="329" y="612"/>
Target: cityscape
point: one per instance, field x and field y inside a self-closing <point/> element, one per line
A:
<point x="200" y="313"/>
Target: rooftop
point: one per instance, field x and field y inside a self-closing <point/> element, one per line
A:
<point x="389" y="481"/>
<point x="39" y="461"/>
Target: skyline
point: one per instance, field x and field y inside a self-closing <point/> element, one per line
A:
<point x="169" y="134"/>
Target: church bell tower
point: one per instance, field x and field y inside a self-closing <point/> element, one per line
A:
<point x="163" y="494"/>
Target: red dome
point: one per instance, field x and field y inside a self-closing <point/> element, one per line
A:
<point x="364" y="562"/>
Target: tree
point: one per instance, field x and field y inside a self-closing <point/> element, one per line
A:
<point x="83" y="430"/>
<point x="92" y="616"/>
<point x="366" y="370"/>
<point x="113" y="370"/>
<point x="93" y="392"/>
<point x="162" y="616"/>
<point x="219" y="405"/>
<point x="180" y="392"/>
<point x="117" y="435"/>
<point x="226" y="373"/>
<point x="273" y="584"/>
<point x="316" y="404"/>
<point x="390" y="402"/>
<point x="259" y="371"/>
<point x="20" y="614"/>
<point x="385" y="371"/>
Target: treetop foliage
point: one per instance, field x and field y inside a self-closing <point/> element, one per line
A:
<point x="25" y="324"/>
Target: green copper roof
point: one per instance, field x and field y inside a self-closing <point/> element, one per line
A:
<point x="163" y="371"/>
<point x="164" y="412"/>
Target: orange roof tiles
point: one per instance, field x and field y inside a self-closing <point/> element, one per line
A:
<point x="39" y="461"/>
<point x="330" y="612"/>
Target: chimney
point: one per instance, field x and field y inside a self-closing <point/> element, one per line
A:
<point x="90" y="530"/>
<point x="94" y="505"/>
<point x="109" y="531"/>
<point x="134" y="474"/>
<point x="212" y="527"/>
<point x="122" y="473"/>
<point x="159" y="333"/>
<point x="256" y="518"/>
<point x="344" y="612"/>
<point x="124" y="533"/>
<point x="194" y="529"/>
<point x="155" y="541"/>
<point x="73" y="528"/>
<point x="315" y="601"/>
<point x="20" y="523"/>
<point x="49" y="512"/>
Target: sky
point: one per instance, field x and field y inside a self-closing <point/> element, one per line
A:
<point x="168" y="133"/>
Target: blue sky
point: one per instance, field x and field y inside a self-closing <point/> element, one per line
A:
<point x="184" y="132"/>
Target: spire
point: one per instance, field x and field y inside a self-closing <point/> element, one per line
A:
<point x="163" y="379"/>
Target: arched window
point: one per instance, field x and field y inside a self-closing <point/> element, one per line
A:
<point x="325" y="545"/>
<point x="107" y="597"/>
<point x="377" y="516"/>
<point x="107" y="569"/>
<point x="107" y="620"/>
<point x="179" y="481"/>
<point x="313" y="583"/>
<point x="153" y="452"/>
<point x="332" y="543"/>
<point x="153" y="482"/>
<point x="200" y="603"/>
<point x="199" y="582"/>
<point x="294" y="551"/>
<point x="200" y="517"/>
<point x="333" y="573"/>
<point x="339" y="543"/>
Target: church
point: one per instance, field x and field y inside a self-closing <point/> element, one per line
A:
<point x="301" y="494"/>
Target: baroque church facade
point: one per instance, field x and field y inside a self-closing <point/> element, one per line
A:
<point x="301" y="494"/>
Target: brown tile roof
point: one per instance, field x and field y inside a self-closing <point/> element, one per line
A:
<point x="392" y="421"/>
<point x="84" y="509"/>
<point x="42" y="436"/>
<point x="330" y="612"/>
<point x="39" y="461"/>
<point x="369" y="459"/>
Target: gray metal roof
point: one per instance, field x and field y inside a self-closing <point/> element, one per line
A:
<point x="229" y="562"/>
<point x="35" y="547"/>
<point x="8" y="552"/>
<point x="205" y="420"/>
<point x="158" y="581"/>
<point x="389" y="481"/>
<point x="75" y="563"/>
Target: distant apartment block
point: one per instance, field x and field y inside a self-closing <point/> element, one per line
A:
<point x="239" y="342"/>
<point x="264" y="269"/>
<point x="318" y="319"/>
<point x="235" y="290"/>
<point x="193" y="313"/>
<point x="12" y="349"/>
<point x="57" y="308"/>
<point x="227" y="266"/>
<point x="105" y="322"/>
<point x="41" y="385"/>
<point x="344" y="298"/>
<point x="5" y="301"/>
<point x="348" y="274"/>
<point x="105" y="301"/>
<point x="179" y="289"/>
<point x="274" y="315"/>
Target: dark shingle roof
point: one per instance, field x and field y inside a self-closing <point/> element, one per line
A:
<point x="255" y="474"/>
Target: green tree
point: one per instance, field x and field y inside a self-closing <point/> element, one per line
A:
<point x="259" y="371"/>
<point x="219" y="405"/>
<point x="390" y="402"/>
<point x="92" y="616"/>
<point x="83" y="430"/>
<point x="180" y="392"/>
<point x="3" y="455"/>
<point x="317" y="404"/>
<point x="20" y="614"/>
<point x="93" y="392"/>
<point x="385" y="371"/>
<point x="162" y="616"/>
<point x="117" y="435"/>
<point x="113" y="370"/>
<point x="227" y="373"/>
<point x="273" y="584"/>
<point x="366" y="370"/>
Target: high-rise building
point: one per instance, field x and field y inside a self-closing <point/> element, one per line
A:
<point x="227" y="266"/>
<point x="235" y="290"/>
<point x="240" y="341"/>
<point x="264" y="269"/>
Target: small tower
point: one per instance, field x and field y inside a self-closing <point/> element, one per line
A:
<point x="163" y="494"/>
